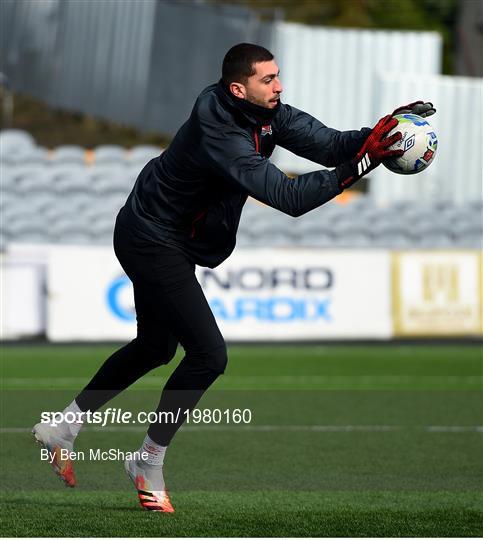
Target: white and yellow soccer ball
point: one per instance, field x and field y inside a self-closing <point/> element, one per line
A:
<point x="419" y="142"/>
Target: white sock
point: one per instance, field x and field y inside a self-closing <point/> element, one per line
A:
<point x="73" y="428"/>
<point x="154" y="451"/>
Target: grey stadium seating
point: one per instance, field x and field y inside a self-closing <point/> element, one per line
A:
<point x="110" y="154"/>
<point x="60" y="196"/>
<point x="140" y="155"/>
<point x="70" y="153"/>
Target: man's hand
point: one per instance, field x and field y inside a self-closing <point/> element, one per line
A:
<point x="418" y="107"/>
<point x="372" y="153"/>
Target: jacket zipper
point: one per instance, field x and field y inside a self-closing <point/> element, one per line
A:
<point x="257" y="142"/>
<point x="193" y="223"/>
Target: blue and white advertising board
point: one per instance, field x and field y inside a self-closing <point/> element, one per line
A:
<point x="256" y="295"/>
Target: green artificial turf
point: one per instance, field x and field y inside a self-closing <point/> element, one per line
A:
<point x="343" y="441"/>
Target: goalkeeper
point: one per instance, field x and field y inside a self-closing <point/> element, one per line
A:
<point x="184" y="211"/>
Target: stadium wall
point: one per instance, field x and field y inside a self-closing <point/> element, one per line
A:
<point x="131" y="62"/>
<point x="135" y="63"/>
<point x="73" y="293"/>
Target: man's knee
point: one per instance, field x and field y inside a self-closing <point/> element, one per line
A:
<point x="155" y="353"/>
<point x="215" y="358"/>
<point x="219" y="359"/>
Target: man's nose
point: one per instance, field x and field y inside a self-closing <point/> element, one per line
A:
<point x="278" y="87"/>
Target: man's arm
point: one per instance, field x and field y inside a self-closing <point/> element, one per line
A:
<point x="307" y="137"/>
<point x="231" y="154"/>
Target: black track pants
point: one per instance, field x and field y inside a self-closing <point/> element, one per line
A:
<point x="170" y="308"/>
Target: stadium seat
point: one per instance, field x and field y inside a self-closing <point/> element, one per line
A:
<point x="391" y="240"/>
<point x="39" y="201"/>
<point x="272" y="224"/>
<point x="65" y="228"/>
<point x="56" y="213"/>
<point x="420" y="227"/>
<point x="393" y="224"/>
<point x="32" y="235"/>
<point x="308" y="228"/>
<point x="111" y="184"/>
<point x="17" y="207"/>
<point x="322" y="240"/>
<point x="328" y="212"/>
<point x="402" y="206"/>
<point x="26" y="156"/>
<point x="78" y="200"/>
<point x="8" y="182"/>
<point x="350" y="234"/>
<point x="105" y="212"/>
<point x="468" y="234"/>
<point x="103" y="226"/>
<point x="441" y="206"/>
<point x="469" y="241"/>
<point x="13" y="141"/>
<point x="109" y="154"/>
<point x="77" y="182"/>
<point x="434" y="241"/>
<point x="141" y="154"/>
<point x="69" y="154"/>
<point x="390" y="233"/>
<point x="18" y="172"/>
<point x="66" y="170"/>
<point x="420" y="215"/>
<point x="475" y="207"/>
<point x="113" y="203"/>
<point x="250" y="214"/>
<point x="74" y="236"/>
<point x="431" y="233"/>
<point x="117" y="172"/>
<point x="244" y="239"/>
<point x="8" y="200"/>
<point x="269" y="240"/>
<point x="24" y="226"/>
<point x="361" y="204"/>
<point x="26" y="185"/>
<point x="31" y="184"/>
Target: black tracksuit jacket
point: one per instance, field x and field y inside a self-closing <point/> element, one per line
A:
<point x="191" y="196"/>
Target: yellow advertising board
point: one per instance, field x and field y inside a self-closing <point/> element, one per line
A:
<point x="437" y="293"/>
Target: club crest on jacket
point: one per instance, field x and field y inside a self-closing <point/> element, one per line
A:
<point x="266" y="130"/>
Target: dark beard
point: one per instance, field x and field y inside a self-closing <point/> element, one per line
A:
<point x="261" y="113"/>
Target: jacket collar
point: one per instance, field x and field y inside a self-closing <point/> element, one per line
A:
<point x="255" y="114"/>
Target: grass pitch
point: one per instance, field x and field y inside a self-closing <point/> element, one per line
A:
<point x="343" y="441"/>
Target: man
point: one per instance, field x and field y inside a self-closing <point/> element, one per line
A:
<point x="184" y="210"/>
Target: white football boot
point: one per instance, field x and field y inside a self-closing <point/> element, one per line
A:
<point x="149" y="483"/>
<point x="54" y="439"/>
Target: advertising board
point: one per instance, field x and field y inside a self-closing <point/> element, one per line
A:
<point x="256" y="295"/>
<point x="437" y="293"/>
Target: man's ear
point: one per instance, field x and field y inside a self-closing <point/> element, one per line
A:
<point x="238" y="90"/>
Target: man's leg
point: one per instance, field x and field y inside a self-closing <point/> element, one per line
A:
<point x="179" y="297"/>
<point x="176" y="299"/>
<point x="126" y="366"/>
<point x="154" y="345"/>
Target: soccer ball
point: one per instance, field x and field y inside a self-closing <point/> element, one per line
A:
<point x="419" y="142"/>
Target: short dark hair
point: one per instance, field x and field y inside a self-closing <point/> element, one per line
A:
<point x="239" y="60"/>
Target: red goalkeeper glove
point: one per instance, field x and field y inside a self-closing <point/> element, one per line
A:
<point x="373" y="152"/>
